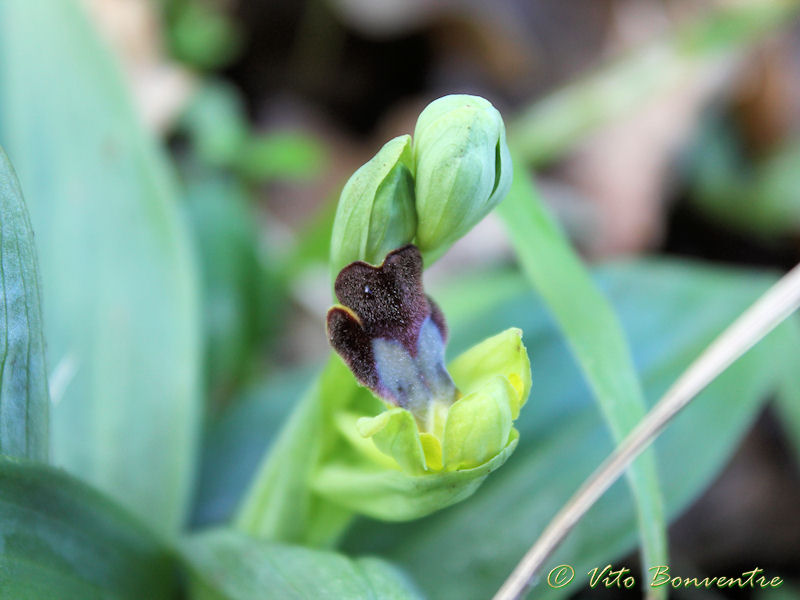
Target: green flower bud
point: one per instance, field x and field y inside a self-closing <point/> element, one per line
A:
<point x="462" y="166"/>
<point x="376" y="211"/>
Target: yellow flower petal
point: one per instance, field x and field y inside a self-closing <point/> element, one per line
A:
<point x="395" y="433"/>
<point x="503" y="354"/>
<point x="432" y="448"/>
<point x="478" y="425"/>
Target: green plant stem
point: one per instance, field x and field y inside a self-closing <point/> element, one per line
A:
<point x="280" y="505"/>
<point x="553" y="125"/>
<point x="780" y="301"/>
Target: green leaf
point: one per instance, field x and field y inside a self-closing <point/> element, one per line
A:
<point x="24" y="400"/>
<point x="227" y="565"/>
<point x="120" y="295"/>
<point x="595" y="337"/>
<point x="62" y="539"/>
<point x="670" y="312"/>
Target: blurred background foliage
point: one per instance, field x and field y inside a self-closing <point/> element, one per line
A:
<point x="665" y="136"/>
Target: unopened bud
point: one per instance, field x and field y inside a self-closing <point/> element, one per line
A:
<point x="462" y="167"/>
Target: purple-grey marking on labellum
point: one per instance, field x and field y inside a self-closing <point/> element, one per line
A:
<point x="390" y="334"/>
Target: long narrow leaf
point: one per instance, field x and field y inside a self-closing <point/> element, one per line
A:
<point x="119" y="289"/>
<point x="24" y="401"/>
<point x="595" y="337"/>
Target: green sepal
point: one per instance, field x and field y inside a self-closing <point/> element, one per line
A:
<point x="394" y="495"/>
<point x="376" y="212"/>
<point x="396" y="434"/>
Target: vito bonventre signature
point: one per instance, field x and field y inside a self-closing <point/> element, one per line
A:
<point x="660" y="576"/>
